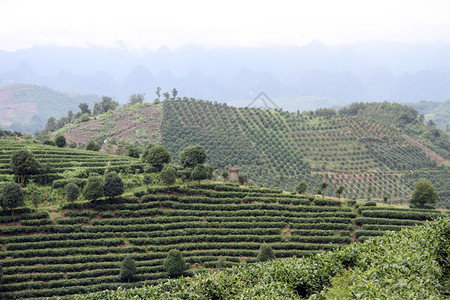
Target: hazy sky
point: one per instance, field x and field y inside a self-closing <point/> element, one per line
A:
<point x="150" y="24"/>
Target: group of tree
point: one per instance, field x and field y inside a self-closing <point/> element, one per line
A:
<point x="192" y="159"/>
<point x="166" y="95"/>
<point x="96" y="187"/>
<point x="105" y="105"/>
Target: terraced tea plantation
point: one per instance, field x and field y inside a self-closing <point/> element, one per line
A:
<point x="57" y="161"/>
<point x="279" y="148"/>
<point x="79" y="247"/>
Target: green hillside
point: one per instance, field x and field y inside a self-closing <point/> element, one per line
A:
<point x="412" y="264"/>
<point x="382" y="147"/>
<point x="79" y="247"/>
<point x="439" y="112"/>
<point x="60" y="163"/>
<point x="27" y="107"/>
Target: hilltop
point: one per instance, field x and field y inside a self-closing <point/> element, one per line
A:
<point x="26" y="107"/>
<point x="375" y="150"/>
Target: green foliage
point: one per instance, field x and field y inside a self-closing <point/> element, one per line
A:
<point x="148" y="179"/>
<point x="301" y="187"/>
<point x="339" y="191"/>
<point x="93" y="146"/>
<point x="424" y="194"/>
<point x="243" y="179"/>
<point x="60" y="141"/>
<point x="174" y="263"/>
<point x="373" y="270"/>
<point x="128" y="269"/>
<point x="199" y="172"/>
<point x="11" y="196"/>
<point x="24" y="163"/>
<point x="192" y="156"/>
<point x="113" y="185"/>
<point x="265" y="253"/>
<point x="221" y="263"/>
<point x="157" y="156"/>
<point x="35" y="197"/>
<point x="72" y="192"/>
<point x="133" y="152"/>
<point x="167" y="175"/>
<point x="225" y="174"/>
<point x="94" y="188"/>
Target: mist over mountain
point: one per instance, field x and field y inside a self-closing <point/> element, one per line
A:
<point x="339" y="75"/>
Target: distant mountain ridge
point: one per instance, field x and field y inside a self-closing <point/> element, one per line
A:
<point x="348" y="73"/>
<point x="27" y="107"/>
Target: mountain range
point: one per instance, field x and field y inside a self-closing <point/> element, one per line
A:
<point x="338" y="75"/>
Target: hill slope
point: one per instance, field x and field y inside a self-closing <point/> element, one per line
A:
<point x="409" y="264"/>
<point x="27" y="107"/>
<point x="79" y="247"/>
<point x="60" y="163"/>
<point x="380" y="146"/>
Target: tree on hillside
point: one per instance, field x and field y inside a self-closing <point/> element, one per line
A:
<point x="174" y="263"/>
<point x="424" y="194"/>
<point x="93" y="146"/>
<point x="158" y="92"/>
<point x="35" y="197"/>
<point x="167" y="175"/>
<point x="60" y="141"/>
<point x="51" y="124"/>
<point x="174" y="93"/>
<point x="11" y="196"/>
<point x="128" y="269"/>
<point x="193" y="155"/>
<point x="72" y="192"/>
<point x="322" y="187"/>
<point x="199" y="173"/>
<point x="265" y="253"/>
<point x="225" y="175"/>
<point x="243" y="179"/>
<point x="133" y="152"/>
<point x="108" y="104"/>
<point x="148" y="179"/>
<point x="158" y="156"/>
<point x="94" y="188"/>
<point x="23" y="163"/>
<point x="113" y="185"/>
<point x="84" y="109"/>
<point x="301" y="187"/>
<point x="340" y="190"/>
<point x="369" y="192"/>
<point x="166" y="95"/>
<point x="221" y="263"/>
<point x="136" y="99"/>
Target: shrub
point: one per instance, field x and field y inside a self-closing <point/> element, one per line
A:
<point x="93" y="146"/>
<point x="72" y="191"/>
<point x="199" y="173"/>
<point x="167" y="175"/>
<point x="265" y="253"/>
<point x="128" y="269"/>
<point x="94" y="188"/>
<point x="11" y="196"/>
<point x="60" y="141"/>
<point x="113" y="185"/>
<point x="174" y="263"/>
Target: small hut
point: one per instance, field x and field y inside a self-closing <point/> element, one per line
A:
<point x="234" y="174"/>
